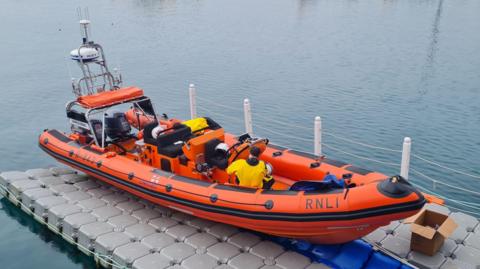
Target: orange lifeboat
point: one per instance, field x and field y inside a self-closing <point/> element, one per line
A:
<point x="177" y="167"/>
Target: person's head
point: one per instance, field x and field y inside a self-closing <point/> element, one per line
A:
<point x="254" y="153"/>
<point x="253" y="156"/>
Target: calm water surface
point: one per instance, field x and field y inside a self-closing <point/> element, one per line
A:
<point x="376" y="71"/>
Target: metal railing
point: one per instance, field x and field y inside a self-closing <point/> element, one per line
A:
<point x="318" y="145"/>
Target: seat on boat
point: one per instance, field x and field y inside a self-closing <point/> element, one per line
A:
<point x="170" y="143"/>
<point x="147" y="133"/>
<point x="117" y="127"/>
<point x="214" y="157"/>
<point x="172" y="151"/>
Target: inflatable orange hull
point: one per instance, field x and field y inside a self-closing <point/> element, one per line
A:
<point x="328" y="217"/>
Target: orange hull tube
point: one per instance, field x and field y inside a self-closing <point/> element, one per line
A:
<point x="337" y="216"/>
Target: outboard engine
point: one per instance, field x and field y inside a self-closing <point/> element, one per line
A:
<point x="117" y="126"/>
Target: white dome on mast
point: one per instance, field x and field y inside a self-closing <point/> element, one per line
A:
<point x="84" y="54"/>
<point x="91" y="60"/>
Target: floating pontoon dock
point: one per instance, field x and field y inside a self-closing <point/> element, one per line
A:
<point x="121" y="231"/>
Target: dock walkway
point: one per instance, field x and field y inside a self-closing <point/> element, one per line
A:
<point x="122" y="231"/>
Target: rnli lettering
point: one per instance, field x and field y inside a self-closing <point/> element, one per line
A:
<point x="320" y="203"/>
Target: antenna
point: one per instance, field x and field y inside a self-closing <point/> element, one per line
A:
<point x="91" y="60"/>
<point x="84" y="18"/>
<point x="84" y="24"/>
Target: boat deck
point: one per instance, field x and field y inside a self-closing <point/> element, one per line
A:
<point x="121" y="231"/>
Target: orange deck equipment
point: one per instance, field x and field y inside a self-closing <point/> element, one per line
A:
<point x="110" y="97"/>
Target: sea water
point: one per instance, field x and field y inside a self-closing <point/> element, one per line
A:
<point x="375" y="71"/>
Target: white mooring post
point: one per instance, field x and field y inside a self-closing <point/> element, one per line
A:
<point x="317" y="136"/>
<point x="405" y="166"/>
<point x="247" y="112"/>
<point x="193" y="103"/>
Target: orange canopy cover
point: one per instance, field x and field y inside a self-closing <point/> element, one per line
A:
<point x="110" y="97"/>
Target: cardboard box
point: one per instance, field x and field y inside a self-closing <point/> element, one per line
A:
<point x="429" y="230"/>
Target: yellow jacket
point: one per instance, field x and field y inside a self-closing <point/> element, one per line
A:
<point x="249" y="175"/>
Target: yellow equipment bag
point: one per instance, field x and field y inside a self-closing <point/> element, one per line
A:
<point x="196" y="124"/>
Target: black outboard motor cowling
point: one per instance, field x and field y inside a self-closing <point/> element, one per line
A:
<point x="117" y="126"/>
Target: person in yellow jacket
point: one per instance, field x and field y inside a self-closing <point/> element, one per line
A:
<point x="252" y="172"/>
